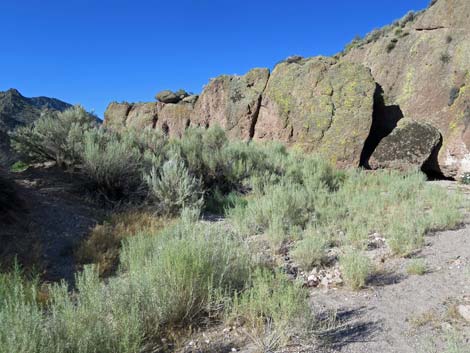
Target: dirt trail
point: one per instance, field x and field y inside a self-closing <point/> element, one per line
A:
<point x="401" y="313"/>
<point x="56" y="218"/>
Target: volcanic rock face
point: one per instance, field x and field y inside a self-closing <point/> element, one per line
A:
<point x="320" y="104"/>
<point x="172" y="119"/>
<point x="346" y="108"/>
<point x="232" y="102"/>
<point x="423" y="67"/>
<point x="408" y="147"/>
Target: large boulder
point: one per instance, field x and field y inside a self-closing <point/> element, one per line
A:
<point x="410" y="145"/>
<point x="115" y="115"/>
<point x="232" y="102"/>
<point x="320" y="104"/>
<point x="167" y="96"/>
<point x="422" y="63"/>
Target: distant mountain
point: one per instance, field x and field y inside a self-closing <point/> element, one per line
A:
<point x="17" y="110"/>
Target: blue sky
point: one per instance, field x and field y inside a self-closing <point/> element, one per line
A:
<point x="95" y="52"/>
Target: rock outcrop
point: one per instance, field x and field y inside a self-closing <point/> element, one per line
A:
<point x="171" y="118"/>
<point x="321" y="104"/>
<point x="422" y="63"/>
<point x="408" y="147"/>
<point x="232" y="102"/>
<point x="309" y="102"/>
<point x="347" y="107"/>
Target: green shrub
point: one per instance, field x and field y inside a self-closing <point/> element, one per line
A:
<point x="174" y="188"/>
<point x="273" y="310"/>
<point x="390" y="46"/>
<point x="280" y="212"/>
<point x="112" y="165"/>
<point x="94" y="319"/>
<point x="409" y="17"/>
<point x="311" y="250"/>
<point x="465" y="178"/>
<point x="356" y="268"/>
<point x="21" y="317"/>
<point x="54" y="137"/>
<point x="416" y="267"/>
<point x="19" y="167"/>
<point x="182" y="273"/>
<point x="445" y="58"/>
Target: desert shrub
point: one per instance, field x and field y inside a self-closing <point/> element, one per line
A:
<point x="19" y="166"/>
<point x="201" y="150"/>
<point x="409" y="17"/>
<point x="356" y="268"/>
<point x="182" y="273"/>
<point x="217" y="203"/>
<point x="152" y="144"/>
<point x="311" y="250"/>
<point x="92" y="320"/>
<point x="390" y="46"/>
<point x="356" y="42"/>
<point x="272" y="310"/>
<point x="416" y="267"/>
<point x="281" y="211"/>
<point x="85" y="322"/>
<point x="449" y="39"/>
<point x="445" y="58"/>
<point x="112" y="165"/>
<point x="374" y="36"/>
<point x="22" y="320"/>
<point x="173" y="188"/>
<point x="54" y="137"/>
<point x="102" y="246"/>
<point x="465" y="178"/>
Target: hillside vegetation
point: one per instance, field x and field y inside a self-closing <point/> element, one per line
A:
<point x="169" y="276"/>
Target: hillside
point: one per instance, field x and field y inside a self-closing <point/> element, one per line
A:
<point x="17" y="110"/>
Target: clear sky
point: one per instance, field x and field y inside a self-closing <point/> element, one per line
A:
<point x="97" y="51"/>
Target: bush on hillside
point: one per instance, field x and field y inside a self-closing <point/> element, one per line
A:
<point x="173" y="188"/>
<point x="111" y="163"/>
<point x="273" y="310"/>
<point x="55" y="136"/>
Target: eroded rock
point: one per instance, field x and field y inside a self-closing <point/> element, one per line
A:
<point x="408" y="147"/>
<point x="320" y="104"/>
<point x="232" y="102"/>
<point x="168" y="96"/>
<point x="426" y="74"/>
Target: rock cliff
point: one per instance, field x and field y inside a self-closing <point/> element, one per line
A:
<point x="345" y="107"/>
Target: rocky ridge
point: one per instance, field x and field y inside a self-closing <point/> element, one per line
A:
<point x="346" y="108"/>
<point x="17" y="110"/>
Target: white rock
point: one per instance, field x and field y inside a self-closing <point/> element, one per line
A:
<point x="464" y="311"/>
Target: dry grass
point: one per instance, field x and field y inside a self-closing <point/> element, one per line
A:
<point x="103" y="245"/>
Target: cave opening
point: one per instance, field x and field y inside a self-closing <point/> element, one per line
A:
<point x="384" y="119"/>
